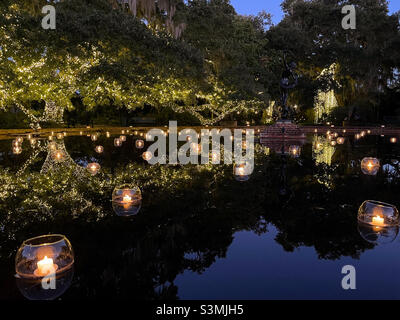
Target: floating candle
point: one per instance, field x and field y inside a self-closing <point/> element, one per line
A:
<point x="45" y="267"/>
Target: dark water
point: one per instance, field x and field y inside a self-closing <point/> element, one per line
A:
<point x="285" y="233"/>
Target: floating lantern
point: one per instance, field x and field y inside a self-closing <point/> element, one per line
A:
<point x="43" y="256"/>
<point x="393" y="140"/>
<point x="123" y="131"/>
<point x="139" y="144"/>
<point x="117" y="142"/>
<point x="378" y="214"/>
<point x="65" y="134"/>
<point x="58" y="155"/>
<point x="242" y="171"/>
<point x="81" y="133"/>
<point x="344" y="130"/>
<point x="93" y="137"/>
<point x="357" y="136"/>
<point x="369" y="131"/>
<point x="17" y="150"/>
<point x="315" y="130"/>
<point x="122" y="138"/>
<point x="370" y="166"/>
<point x="147" y="155"/>
<point x="127" y="200"/>
<point x="108" y="134"/>
<point x="294" y="151"/>
<point x="99" y="149"/>
<point x="93" y="168"/>
<point x="340" y="140"/>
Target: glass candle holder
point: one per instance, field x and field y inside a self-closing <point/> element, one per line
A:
<point x="17" y="150"/>
<point x="40" y="256"/>
<point x="294" y="151"/>
<point x="127" y="200"/>
<point x="378" y="214"/>
<point x="117" y="142"/>
<point x="340" y="140"/>
<point x="139" y="144"/>
<point x="99" y="149"/>
<point x="147" y="155"/>
<point x="370" y="166"/>
<point x="241" y="171"/>
<point x="93" y="168"/>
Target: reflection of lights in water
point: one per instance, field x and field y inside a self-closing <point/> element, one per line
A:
<point x="378" y="235"/>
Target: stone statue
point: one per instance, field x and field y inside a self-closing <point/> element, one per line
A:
<point x="288" y="81"/>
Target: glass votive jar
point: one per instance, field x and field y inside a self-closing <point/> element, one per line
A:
<point x="99" y="149"/>
<point x="294" y="151"/>
<point x="370" y="166"/>
<point x="139" y="144"/>
<point x="93" y="168"/>
<point x="127" y="200"/>
<point x="378" y="214"/>
<point x="147" y="155"/>
<point x="117" y="142"/>
<point x="242" y="171"/>
<point x="40" y="256"/>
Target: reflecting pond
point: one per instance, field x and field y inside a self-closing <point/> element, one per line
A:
<point x="196" y="232"/>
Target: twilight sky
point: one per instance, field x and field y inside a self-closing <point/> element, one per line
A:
<point x="273" y="7"/>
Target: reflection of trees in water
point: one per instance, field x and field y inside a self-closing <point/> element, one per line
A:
<point x="187" y="221"/>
